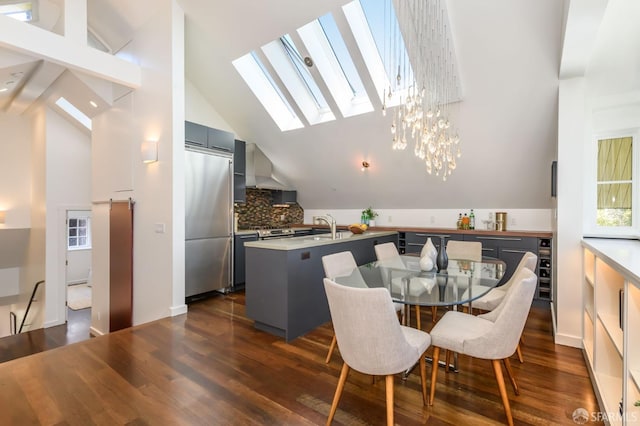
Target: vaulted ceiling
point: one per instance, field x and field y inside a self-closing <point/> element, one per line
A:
<point x="509" y="54"/>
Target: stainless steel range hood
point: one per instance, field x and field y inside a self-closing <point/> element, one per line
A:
<point x="259" y="171"/>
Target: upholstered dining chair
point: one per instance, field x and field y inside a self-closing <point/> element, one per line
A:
<point x="371" y="339"/>
<point x="388" y="253"/>
<point x="343" y="264"/>
<point x="492" y="340"/>
<point x="493" y="299"/>
<point x="465" y="250"/>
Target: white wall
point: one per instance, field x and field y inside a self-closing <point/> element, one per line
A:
<point x="15" y="170"/>
<point x="572" y="137"/>
<point x="155" y="111"/>
<point x="199" y="110"/>
<point x="68" y="187"/>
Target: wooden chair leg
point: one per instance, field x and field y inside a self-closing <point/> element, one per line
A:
<point x="418" y="325"/>
<point x="447" y="357"/>
<point x="497" y="369"/>
<point x="339" y="388"/>
<point x="519" y="352"/>
<point x="389" y="390"/>
<point x="507" y="366"/>
<point x="423" y="378"/>
<point x="332" y="347"/>
<point x="434" y="313"/>
<point x="434" y="374"/>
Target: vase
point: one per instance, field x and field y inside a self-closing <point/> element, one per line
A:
<point x="442" y="280"/>
<point x="442" y="260"/>
<point x="429" y="250"/>
<point x="426" y="263"/>
<point x="372" y="223"/>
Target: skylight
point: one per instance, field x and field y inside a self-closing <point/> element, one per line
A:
<point x="318" y="74"/>
<point x="20" y="10"/>
<point x="287" y="62"/>
<point x="324" y="42"/>
<point x="373" y="23"/>
<point x="266" y="90"/>
<point x="74" y="112"/>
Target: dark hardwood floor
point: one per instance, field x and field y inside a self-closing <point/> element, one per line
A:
<point x="211" y="367"/>
<point x="19" y="345"/>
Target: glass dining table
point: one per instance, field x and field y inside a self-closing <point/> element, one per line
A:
<point x="462" y="282"/>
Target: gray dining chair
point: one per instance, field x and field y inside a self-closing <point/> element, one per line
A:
<point x="371" y="339"/>
<point x="343" y="264"/>
<point x="492" y="340"/>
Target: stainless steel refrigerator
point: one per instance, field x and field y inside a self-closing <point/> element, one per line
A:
<point x="208" y="221"/>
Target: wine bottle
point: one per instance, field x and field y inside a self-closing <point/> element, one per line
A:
<point x="472" y="220"/>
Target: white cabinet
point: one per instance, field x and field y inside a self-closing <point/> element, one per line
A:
<point x="611" y="320"/>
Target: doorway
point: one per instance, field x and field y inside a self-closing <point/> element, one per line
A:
<point x="78" y="273"/>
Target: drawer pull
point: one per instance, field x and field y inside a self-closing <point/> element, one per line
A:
<point x="514" y="251"/>
<point x="433" y="235"/>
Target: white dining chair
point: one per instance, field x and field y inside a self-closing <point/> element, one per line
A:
<point x="492" y="299"/>
<point x="464" y="250"/>
<point x="371" y="339"/>
<point x="343" y="264"/>
<point x="388" y="254"/>
<point x="492" y="340"/>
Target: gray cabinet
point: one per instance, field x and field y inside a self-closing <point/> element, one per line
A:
<point x="220" y="140"/>
<point x="206" y="137"/>
<point x="239" y="257"/>
<point x="509" y="249"/>
<point x="284" y="197"/>
<point x="412" y="242"/>
<point x="284" y="289"/>
<point x="239" y="169"/>
<point x="195" y="134"/>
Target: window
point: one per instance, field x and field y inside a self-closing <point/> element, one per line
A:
<point x="78" y="233"/>
<point x="25" y="11"/>
<point x="615" y="182"/>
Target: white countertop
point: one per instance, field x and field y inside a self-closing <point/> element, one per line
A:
<point x="622" y="255"/>
<point x="309" y="241"/>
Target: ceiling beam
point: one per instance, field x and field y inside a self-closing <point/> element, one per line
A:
<point x="41" y="44"/>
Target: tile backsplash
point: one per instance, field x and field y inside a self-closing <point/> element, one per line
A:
<point x="259" y="211"/>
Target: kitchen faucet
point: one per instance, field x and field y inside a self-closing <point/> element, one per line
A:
<point x="331" y="222"/>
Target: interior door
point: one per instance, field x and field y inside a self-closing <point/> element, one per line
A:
<point x="121" y="265"/>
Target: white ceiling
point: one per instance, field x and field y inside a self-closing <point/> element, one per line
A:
<point x="508" y="53"/>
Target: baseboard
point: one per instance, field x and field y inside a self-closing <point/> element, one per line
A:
<point x="94" y="332"/>
<point x="178" y="310"/>
<point x="53" y="323"/>
<point x="553" y="320"/>
<point x="566" y="340"/>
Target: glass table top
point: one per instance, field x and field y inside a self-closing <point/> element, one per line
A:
<point x="462" y="282"/>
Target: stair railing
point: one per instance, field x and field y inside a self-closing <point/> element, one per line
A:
<point x="31" y="300"/>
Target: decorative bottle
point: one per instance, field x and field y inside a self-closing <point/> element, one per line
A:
<point x="459" y="222"/>
<point x="472" y="220"/>
<point x="442" y="261"/>
<point x="465" y="222"/>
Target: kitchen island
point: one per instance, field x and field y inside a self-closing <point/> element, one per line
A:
<point x="284" y="290"/>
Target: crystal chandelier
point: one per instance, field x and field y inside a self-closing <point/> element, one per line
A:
<point x="426" y="83"/>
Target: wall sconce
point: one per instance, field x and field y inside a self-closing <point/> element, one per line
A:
<point x="149" y="151"/>
<point x="365" y="166"/>
<point x="3" y="214"/>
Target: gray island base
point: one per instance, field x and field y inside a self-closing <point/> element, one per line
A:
<point x="284" y="291"/>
